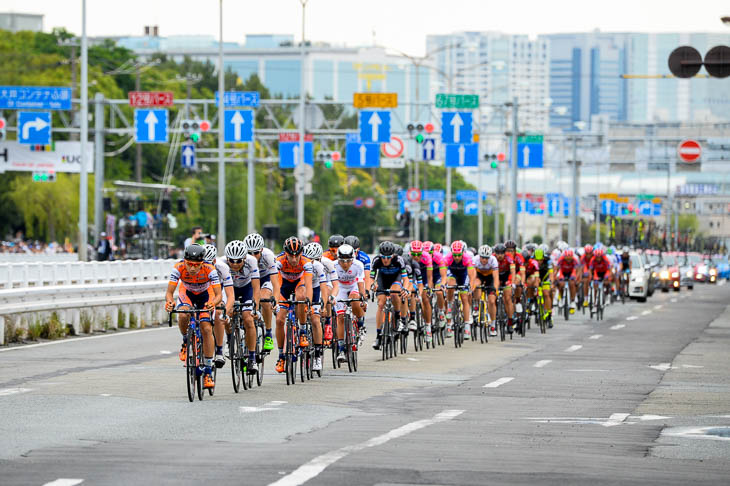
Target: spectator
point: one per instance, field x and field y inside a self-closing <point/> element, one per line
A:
<point x="197" y="237"/>
<point x="104" y="250"/>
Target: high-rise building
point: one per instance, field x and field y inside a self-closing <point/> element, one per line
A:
<point x="498" y="67"/>
<point x="15" y="22"/>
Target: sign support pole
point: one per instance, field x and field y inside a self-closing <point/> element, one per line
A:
<point x="83" y="181"/>
<point x="514" y="234"/>
<point x="447" y="207"/>
<point x="300" y="181"/>
<point x="574" y="204"/>
<point x="480" y="215"/>
<point x="221" y="238"/>
<point x="98" y="163"/>
<point x="251" y="203"/>
<point x="497" y="205"/>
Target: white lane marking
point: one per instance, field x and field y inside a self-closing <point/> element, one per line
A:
<point x="692" y="366"/>
<point x="693" y="432"/>
<point x="596" y="336"/>
<point x="542" y="362"/>
<point x="649" y="417"/>
<point x="313" y="468"/>
<point x="264" y="408"/>
<point x="412" y="359"/>
<point x="646" y="313"/>
<point x="4" y="392"/>
<point x="615" y="419"/>
<point x="499" y="382"/>
<point x="573" y="348"/>
<point x="631" y="318"/>
<point x="164" y="351"/>
<point x="64" y="482"/>
<point x="105" y="395"/>
<point x="658" y="306"/>
<point x="662" y="367"/>
<point x="617" y="327"/>
<point x="721" y="282"/>
<point x="592" y="371"/>
<point x="78" y="339"/>
<point x="673" y="300"/>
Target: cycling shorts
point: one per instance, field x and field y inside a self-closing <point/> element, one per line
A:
<point x="599" y="275"/>
<point x="460" y="278"/>
<point x="342" y="294"/>
<point x="316" y="297"/>
<point x="185" y="298"/>
<point x="244" y="295"/>
<point x="505" y="279"/>
<point x="572" y="275"/>
<point x="385" y="282"/>
<point x="287" y="288"/>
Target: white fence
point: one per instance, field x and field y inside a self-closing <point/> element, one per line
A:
<point x="98" y="294"/>
<point x="38" y="257"/>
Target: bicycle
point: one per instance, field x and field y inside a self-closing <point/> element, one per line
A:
<point x="389" y="328"/>
<point x="457" y="314"/>
<point x="502" y="318"/>
<point x="237" y="354"/>
<point x="291" y="345"/>
<point x="564" y="300"/>
<point x="194" y="363"/>
<point x="597" y="295"/>
<point x="261" y="353"/>
<point x="419" y="334"/>
<point x="483" y="314"/>
<point x="522" y="316"/>
<point x="624" y="285"/>
<point x="437" y="330"/>
<point x="350" y="323"/>
<point x="541" y="314"/>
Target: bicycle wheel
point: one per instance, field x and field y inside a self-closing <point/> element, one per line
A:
<point x="201" y="360"/>
<point x="191" y="365"/>
<point x="501" y="318"/>
<point x="566" y="303"/>
<point x="260" y="356"/>
<point x="289" y="366"/>
<point x="348" y="341"/>
<point x="384" y="337"/>
<point x="234" y="351"/>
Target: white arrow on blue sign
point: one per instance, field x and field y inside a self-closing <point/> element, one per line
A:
<point x="374" y="126"/>
<point x="529" y="155"/>
<point x="238" y="126"/>
<point x="362" y="155"/>
<point x="471" y="208"/>
<point x="429" y="149"/>
<point x="290" y="156"/>
<point x="456" y="127"/>
<point x="462" y="155"/>
<point x="187" y="156"/>
<point x="34" y="128"/>
<point x="436" y="207"/>
<point x="150" y="126"/>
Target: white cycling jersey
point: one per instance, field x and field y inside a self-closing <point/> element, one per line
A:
<point x="267" y="263"/>
<point x="318" y="275"/>
<point x="329" y="270"/>
<point x="249" y="270"/>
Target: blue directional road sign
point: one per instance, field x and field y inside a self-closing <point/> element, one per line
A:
<point x="466" y="195"/>
<point x="529" y="155"/>
<point x="238" y="126"/>
<point x="187" y="156"/>
<point x="462" y="155"/>
<point x="429" y="149"/>
<point x="608" y="207"/>
<point x="290" y="155"/>
<point x="236" y="99"/>
<point x="471" y="207"/>
<point x="456" y="127"/>
<point x="374" y="126"/>
<point x="362" y="155"/>
<point x="35" y="97"/>
<point x="433" y="194"/>
<point x="34" y="128"/>
<point x="150" y="126"/>
<point x="435" y="207"/>
<point x="657" y="210"/>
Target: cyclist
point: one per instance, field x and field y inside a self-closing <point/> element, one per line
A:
<point x="332" y="290"/>
<point x="295" y="275"/>
<point x="541" y="271"/>
<point x="460" y="268"/>
<point x="439" y="277"/>
<point x="269" y="286"/>
<point x="333" y="243"/>
<point x="351" y="276"/>
<point x="506" y="269"/>
<point x="585" y="261"/>
<point x="363" y="258"/>
<point x="600" y="266"/>
<point x="313" y="251"/>
<point x="516" y="256"/>
<point x="224" y="274"/>
<point x="625" y="264"/>
<point x="422" y="260"/>
<point x="415" y="280"/>
<point x="487" y="273"/>
<point x="247" y="289"/>
<point x="567" y="270"/>
<point x="200" y="289"/>
<point x="391" y="275"/>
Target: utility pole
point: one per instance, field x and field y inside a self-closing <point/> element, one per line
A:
<point x="221" y="239"/>
<point x="447" y="207"/>
<point x="83" y="180"/>
<point x="514" y="234"/>
<point x="497" y="208"/>
<point x="300" y="180"/>
<point x="138" y="160"/>
<point x="574" y="205"/>
<point x="98" y="163"/>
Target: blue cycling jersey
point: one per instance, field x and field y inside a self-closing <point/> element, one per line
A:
<point x="364" y="259"/>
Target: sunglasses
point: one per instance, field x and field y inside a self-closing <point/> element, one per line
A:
<point x="384" y="257"/>
<point x="457" y="254"/>
<point x="416" y="254"/>
<point x="236" y="261"/>
<point x="254" y="253"/>
<point x="193" y="264"/>
<point x="346" y="260"/>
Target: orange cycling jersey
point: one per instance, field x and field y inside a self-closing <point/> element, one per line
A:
<point x="332" y="255"/>
<point x="206" y="277"/>
<point x="293" y="273"/>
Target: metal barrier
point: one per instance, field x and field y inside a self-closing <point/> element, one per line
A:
<point x="98" y="293"/>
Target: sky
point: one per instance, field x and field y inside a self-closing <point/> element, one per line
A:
<point x="399" y="24"/>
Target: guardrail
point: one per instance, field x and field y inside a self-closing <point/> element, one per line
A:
<point x="88" y="296"/>
<point x="38" y="257"/>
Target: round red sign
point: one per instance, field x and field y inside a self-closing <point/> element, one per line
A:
<point x="689" y="151"/>
<point x="413" y="195"/>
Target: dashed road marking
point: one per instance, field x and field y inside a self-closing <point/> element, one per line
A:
<point x="5" y="392"/>
<point x="615" y="419"/>
<point x="542" y="363"/>
<point x="500" y="382"/>
<point x="596" y="336"/>
<point x="673" y="300"/>
<point x="631" y="318"/>
<point x="646" y="313"/>
<point x="658" y="306"/>
<point x="64" y="482"/>
<point x="269" y="406"/>
<point x="617" y="327"/>
<point x="573" y="348"/>
<point x="662" y="367"/>
<point x="165" y="351"/>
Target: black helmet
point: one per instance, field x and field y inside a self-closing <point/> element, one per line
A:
<point x="398" y="249"/>
<point x="499" y="248"/>
<point x="526" y="254"/>
<point x="386" y="249"/>
<point x="293" y="246"/>
<point x="510" y="244"/>
<point x="335" y="241"/>
<point x="195" y="253"/>
<point x="353" y="241"/>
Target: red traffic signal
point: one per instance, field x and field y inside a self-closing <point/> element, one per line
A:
<point x="336" y="156"/>
<point x="501" y="157"/>
<point x="428" y="127"/>
<point x="2" y="123"/>
<point x="204" y="125"/>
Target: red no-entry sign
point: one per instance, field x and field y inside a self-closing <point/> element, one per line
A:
<point x="689" y="151"/>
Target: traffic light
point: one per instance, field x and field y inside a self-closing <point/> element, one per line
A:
<point x="329" y="157"/>
<point x="49" y="176"/>
<point x="493" y="158"/>
<point x="194" y="128"/>
<point x="417" y="130"/>
<point x="3" y="124"/>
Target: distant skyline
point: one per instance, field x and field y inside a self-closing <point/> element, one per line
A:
<point x="398" y="24"/>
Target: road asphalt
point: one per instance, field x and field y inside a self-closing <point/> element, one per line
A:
<point x="642" y="397"/>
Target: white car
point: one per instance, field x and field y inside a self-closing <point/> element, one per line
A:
<point x="640" y="278"/>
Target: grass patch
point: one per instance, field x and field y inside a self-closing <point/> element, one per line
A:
<point x="132" y="320"/>
<point x="85" y="323"/>
<point x="13" y="333"/>
<point x="34" y="331"/>
<point x="53" y="329"/>
<point x="120" y="317"/>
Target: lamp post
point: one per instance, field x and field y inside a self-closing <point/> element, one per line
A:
<point x="221" y="240"/>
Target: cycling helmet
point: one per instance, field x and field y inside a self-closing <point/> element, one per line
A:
<point x="353" y="241"/>
<point x="194" y="253"/>
<point x="386" y="249"/>
<point x="598" y="253"/>
<point x="336" y="241"/>
<point x="485" y="251"/>
<point x="235" y="250"/>
<point x="293" y="246"/>
<point x="436" y="248"/>
<point x="539" y="253"/>
<point x="598" y="246"/>
<point x="568" y="254"/>
<point x="254" y="242"/>
<point x="625" y="249"/>
<point x="345" y="252"/>
<point x="545" y="248"/>
<point x="472" y="250"/>
<point x="416" y="246"/>
<point x="588" y="248"/>
<point x="427" y="247"/>
<point x="313" y="250"/>
<point x="406" y="248"/>
<point x="510" y="244"/>
<point x="457" y="248"/>
<point x="499" y="249"/>
<point x="398" y="249"/>
<point x="526" y="254"/>
<point x="210" y="252"/>
<point x="562" y="246"/>
<point x="531" y="247"/>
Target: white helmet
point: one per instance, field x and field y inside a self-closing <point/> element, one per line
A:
<point x="210" y="252"/>
<point x="562" y="246"/>
<point x="485" y="251"/>
<point x="235" y="250"/>
<point x="313" y="250"/>
<point x="254" y="242"/>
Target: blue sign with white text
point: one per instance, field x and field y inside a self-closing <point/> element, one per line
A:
<point x="290" y="154"/>
<point x="456" y="127"/>
<point x="237" y="99"/>
<point x="150" y="126"/>
<point x="374" y="126"/>
<point x="362" y="155"/>
<point x="238" y="126"/>
<point x="462" y="155"/>
<point x="34" y="127"/>
<point x="433" y="194"/>
<point x="35" y="97"/>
